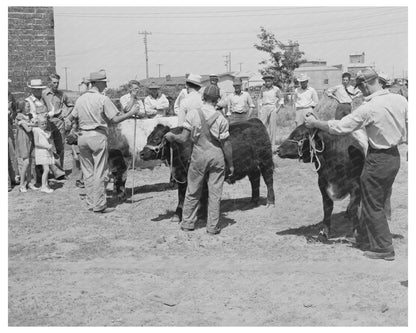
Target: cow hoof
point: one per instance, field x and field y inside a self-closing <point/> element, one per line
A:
<point x="175" y="218"/>
<point x="323" y="236"/>
<point x="122" y="196"/>
<point x="270" y="205"/>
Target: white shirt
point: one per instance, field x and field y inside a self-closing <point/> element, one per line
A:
<point x="190" y="102"/>
<point x="240" y="103"/>
<point x="125" y="100"/>
<point x="384" y="117"/>
<point x="219" y="129"/>
<point x="182" y="94"/>
<point x="343" y="94"/>
<point x="306" y="98"/>
<point x="271" y="96"/>
<point x="152" y="105"/>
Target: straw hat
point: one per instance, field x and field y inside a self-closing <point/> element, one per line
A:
<point x="302" y="78"/>
<point x="36" y="84"/>
<point x="98" y="76"/>
<point x="195" y="79"/>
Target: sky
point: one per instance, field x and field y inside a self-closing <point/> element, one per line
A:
<point x="197" y="39"/>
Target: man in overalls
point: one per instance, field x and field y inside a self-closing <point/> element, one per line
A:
<point x="208" y="130"/>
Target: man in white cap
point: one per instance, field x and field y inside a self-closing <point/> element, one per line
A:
<point x="208" y="130"/>
<point x="132" y="100"/>
<point x="384" y="117"/>
<point x="343" y="94"/>
<point x="155" y="104"/>
<point x="270" y="102"/>
<point x="182" y="94"/>
<point x="239" y="103"/>
<point x="91" y="112"/>
<point x="306" y="99"/>
<point x="193" y="100"/>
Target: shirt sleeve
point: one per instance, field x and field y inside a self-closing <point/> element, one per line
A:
<point x="110" y="110"/>
<point x="190" y="119"/>
<point x="74" y="112"/>
<point x="223" y="128"/>
<point x="315" y="97"/>
<point x="67" y="101"/>
<point x="123" y="102"/>
<point x="148" y="107"/>
<point x="355" y="120"/>
<point x="178" y="102"/>
<point x="250" y="101"/>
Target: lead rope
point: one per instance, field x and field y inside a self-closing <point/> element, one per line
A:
<point x="313" y="151"/>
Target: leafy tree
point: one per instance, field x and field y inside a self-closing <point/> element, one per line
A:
<point x="284" y="58"/>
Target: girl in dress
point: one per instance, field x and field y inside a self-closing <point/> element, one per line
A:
<point x="24" y="144"/>
<point x="43" y="151"/>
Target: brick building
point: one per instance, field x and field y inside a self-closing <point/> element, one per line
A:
<point x="31" y="46"/>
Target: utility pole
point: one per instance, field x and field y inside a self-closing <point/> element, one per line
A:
<point x="229" y="61"/>
<point x="226" y="62"/>
<point x="66" y="77"/>
<point x="159" y="68"/>
<point x="145" y="33"/>
<point x="240" y="63"/>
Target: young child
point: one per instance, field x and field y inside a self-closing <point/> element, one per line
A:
<point x="24" y="145"/>
<point x="43" y="151"/>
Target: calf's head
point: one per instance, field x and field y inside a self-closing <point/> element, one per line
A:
<point x="155" y="144"/>
<point x="297" y="145"/>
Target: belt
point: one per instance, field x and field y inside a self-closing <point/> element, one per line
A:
<point x="303" y="107"/>
<point x="345" y="103"/>
<point x="382" y="150"/>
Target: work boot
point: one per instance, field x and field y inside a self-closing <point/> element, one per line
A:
<point x="380" y="255"/>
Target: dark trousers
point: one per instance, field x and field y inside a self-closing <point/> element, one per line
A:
<point x="342" y="110"/>
<point x="380" y="170"/>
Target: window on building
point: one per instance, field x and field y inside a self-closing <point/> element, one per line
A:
<point x="326" y="81"/>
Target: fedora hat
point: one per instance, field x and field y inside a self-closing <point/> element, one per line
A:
<point x="153" y="85"/>
<point x="267" y="76"/>
<point x="195" y="79"/>
<point x="36" y="84"/>
<point x="237" y="82"/>
<point x="302" y="78"/>
<point x="98" y="76"/>
<point x="213" y="75"/>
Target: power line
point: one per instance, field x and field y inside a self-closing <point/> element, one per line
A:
<point x="267" y="13"/>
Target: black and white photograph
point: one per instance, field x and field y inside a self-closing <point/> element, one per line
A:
<point x="208" y="164"/>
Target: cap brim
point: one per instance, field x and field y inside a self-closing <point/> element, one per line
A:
<point x="193" y="82"/>
<point x="36" y="87"/>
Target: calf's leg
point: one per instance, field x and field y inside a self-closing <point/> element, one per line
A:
<point x="254" y="177"/>
<point x="267" y="173"/>
<point x="177" y="217"/>
<point x="328" y="205"/>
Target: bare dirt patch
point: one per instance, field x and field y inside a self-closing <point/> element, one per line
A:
<point x="134" y="267"/>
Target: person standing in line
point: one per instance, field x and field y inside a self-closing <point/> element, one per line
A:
<point x="384" y="116"/>
<point x="155" y="104"/>
<point x="239" y="104"/>
<point x="182" y="94"/>
<point x="13" y="169"/>
<point x="24" y="145"/>
<point x="193" y="100"/>
<point x="43" y="151"/>
<point x="344" y="95"/>
<point x="38" y="108"/>
<point x="132" y="100"/>
<point x="92" y="111"/>
<point x="59" y="107"/>
<point x="270" y="102"/>
<point x="306" y="99"/>
<point x="211" y="149"/>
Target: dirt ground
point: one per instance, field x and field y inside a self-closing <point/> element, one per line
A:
<point x="133" y="267"/>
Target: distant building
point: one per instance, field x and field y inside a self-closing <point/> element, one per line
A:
<point x="321" y="76"/>
<point x="357" y="63"/>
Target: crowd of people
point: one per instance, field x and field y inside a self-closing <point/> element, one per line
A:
<point x="45" y="117"/>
